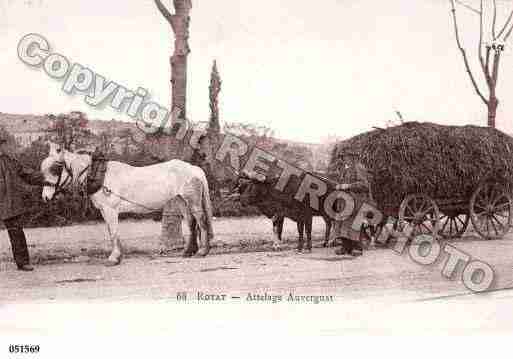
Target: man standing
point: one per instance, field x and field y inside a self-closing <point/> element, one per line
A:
<point x="359" y="183"/>
<point x="12" y="208"/>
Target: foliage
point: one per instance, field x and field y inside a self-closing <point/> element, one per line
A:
<point x="74" y="206"/>
<point x="248" y="131"/>
<point x="11" y="145"/>
<point x="33" y="155"/>
<point x="70" y="130"/>
<point x="263" y="137"/>
<point x="213" y="91"/>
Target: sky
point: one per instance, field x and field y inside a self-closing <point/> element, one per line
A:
<point x="307" y="69"/>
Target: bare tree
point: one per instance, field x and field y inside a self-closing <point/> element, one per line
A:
<point x="172" y="221"/>
<point x="489" y="63"/>
<point x="179" y="22"/>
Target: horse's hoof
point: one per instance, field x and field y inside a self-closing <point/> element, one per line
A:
<point x="188" y="252"/>
<point x="308" y="250"/>
<point x="299" y="250"/>
<point x="202" y="253"/>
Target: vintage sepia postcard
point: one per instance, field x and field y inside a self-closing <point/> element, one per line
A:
<point x="192" y="169"/>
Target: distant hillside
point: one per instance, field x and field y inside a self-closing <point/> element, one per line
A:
<point x="320" y="152"/>
<point x="28" y="128"/>
<point x="23" y="123"/>
<point x="19" y="123"/>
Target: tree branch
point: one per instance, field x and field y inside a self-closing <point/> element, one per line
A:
<point x="487" y="63"/>
<point x="495" y="72"/>
<point x="480" y="46"/>
<point x="467" y="6"/>
<point x="508" y="33"/>
<point x="494" y="20"/>
<point x="164" y="11"/>
<point x="464" y="54"/>
<point x="400" y="116"/>
<point x="505" y="25"/>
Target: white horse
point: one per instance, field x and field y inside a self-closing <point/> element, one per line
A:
<point x="136" y="190"/>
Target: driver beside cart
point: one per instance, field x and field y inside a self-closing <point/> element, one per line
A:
<point x="357" y="180"/>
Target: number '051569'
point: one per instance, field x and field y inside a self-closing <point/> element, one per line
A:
<point x="26" y="349"/>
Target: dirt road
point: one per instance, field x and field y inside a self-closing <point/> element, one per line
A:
<point x="71" y="268"/>
<point x="380" y="291"/>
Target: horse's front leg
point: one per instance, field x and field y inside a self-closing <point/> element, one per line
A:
<point x="300" y="230"/>
<point x="277" y="231"/>
<point x="111" y="217"/>
<point x="201" y="220"/>
<point x="308" y="230"/>
<point x="328" y="223"/>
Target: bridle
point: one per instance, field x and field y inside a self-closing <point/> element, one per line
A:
<point x="61" y="185"/>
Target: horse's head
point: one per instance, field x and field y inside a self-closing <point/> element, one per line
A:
<point x="55" y="171"/>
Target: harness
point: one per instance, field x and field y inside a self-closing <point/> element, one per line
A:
<point x="61" y="185"/>
<point x="108" y="192"/>
<point x="96" y="176"/>
<point x="96" y="169"/>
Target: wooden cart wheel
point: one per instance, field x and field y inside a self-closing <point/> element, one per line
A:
<point x="491" y="209"/>
<point x="453" y="225"/>
<point x="420" y="212"/>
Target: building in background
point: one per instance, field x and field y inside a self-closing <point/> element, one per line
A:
<point x="29" y="128"/>
<point x="25" y="128"/>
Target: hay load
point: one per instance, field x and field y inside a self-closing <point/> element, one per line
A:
<point x="444" y="162"/>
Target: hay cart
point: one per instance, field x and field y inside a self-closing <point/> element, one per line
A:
<point x="489" y="208"/>
<point x="436" y="178"/>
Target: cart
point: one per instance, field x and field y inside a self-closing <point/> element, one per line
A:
<point x="489" y="208"/>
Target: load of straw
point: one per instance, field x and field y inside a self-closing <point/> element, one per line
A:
<point x="443" y="162"/>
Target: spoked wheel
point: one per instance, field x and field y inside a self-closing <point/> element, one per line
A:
<point x="491" y="209"/>
<point x="453" y="225"/>
<point x="421" y="213"/>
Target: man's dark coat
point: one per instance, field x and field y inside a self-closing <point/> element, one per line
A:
<point x="12" y="174"/>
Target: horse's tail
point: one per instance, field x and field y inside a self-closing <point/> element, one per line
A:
<point x="206" y="203"/>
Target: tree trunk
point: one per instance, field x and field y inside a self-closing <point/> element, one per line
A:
<point x="492" y="111"/>
<point x="180" y="24"/>
<point x="172" y="236"/>
<point x="492" y="85"/>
